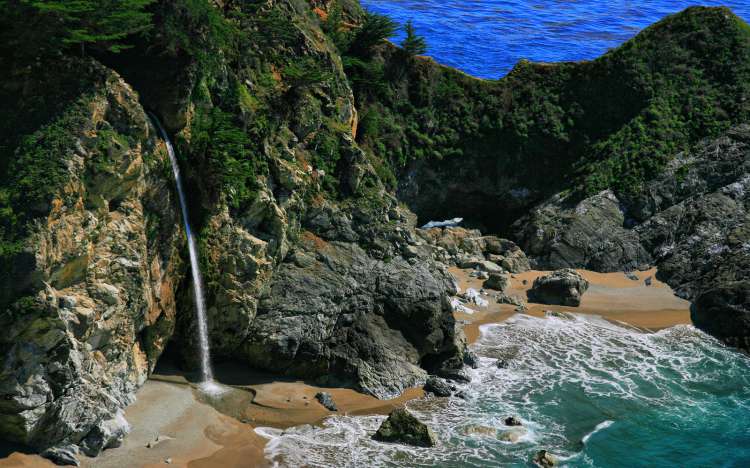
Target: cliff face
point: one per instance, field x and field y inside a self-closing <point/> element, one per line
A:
<point x="691" y="221"/>
<point x="311" y="267"/>
<point x="294" y="154"/>
<point x="89" y="303"/>
<point x="489" y="151"/>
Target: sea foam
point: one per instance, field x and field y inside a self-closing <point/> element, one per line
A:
<point x="592" y="392"/>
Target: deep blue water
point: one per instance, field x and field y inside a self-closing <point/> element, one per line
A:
<point x="485" y="38"/>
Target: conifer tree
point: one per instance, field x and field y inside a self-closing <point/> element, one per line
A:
<point x="413" y="44"/>
<point x="42" y="26"/>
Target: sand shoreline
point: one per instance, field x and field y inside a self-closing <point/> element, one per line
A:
<point x="197" y="431"/>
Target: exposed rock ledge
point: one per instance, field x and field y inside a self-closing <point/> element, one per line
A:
<point x="97" y="276"/>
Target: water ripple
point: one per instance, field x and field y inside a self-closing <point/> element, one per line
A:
<point x="486" y="38"/>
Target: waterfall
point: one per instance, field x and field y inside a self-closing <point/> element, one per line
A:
<point x="200" y="303"/>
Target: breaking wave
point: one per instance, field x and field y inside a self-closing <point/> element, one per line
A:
<point x="592" y="392"/>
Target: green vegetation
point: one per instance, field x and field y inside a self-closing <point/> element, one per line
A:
<point x="413" y="44"/>
<point x="194" y="28"/>
<point x="610" y="123"/>
<point x="48" y="26"/>
<point x="225" y="149"/>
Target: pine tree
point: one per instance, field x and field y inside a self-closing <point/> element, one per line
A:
<point x="413" y="44"/>
<point x="41" y="26"/>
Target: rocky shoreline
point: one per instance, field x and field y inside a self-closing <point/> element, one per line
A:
<point x="306" y="188"/>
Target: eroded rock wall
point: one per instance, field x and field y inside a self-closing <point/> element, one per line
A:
<point x="96" y="279"/>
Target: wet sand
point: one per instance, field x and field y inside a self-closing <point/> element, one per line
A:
<point x="613" y="296"/>
<point x="196" y="431"/>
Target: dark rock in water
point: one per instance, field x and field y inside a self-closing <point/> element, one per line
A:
<point x="724" y="312"/>
<point x="471" y="359"/>
<point x="461" y="394"/>
<point x="563" y="287"/>
<point x="66" y="455"/>
<point x="545" y="459"/>
<point x="649" y="281"/>
<point x="513" y="421"/>
<point x="437" y="387"/>
<point x="505" y="356"/>
<point x="497" y="281"/>
<point x="457" y="375"/>
<point x="404" y="428"/>
<point x="326" y="400"/>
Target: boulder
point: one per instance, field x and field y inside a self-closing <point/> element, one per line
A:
<point x="437" y="387"/>
<point x="513" y="421"/>
<point x="481" y="265"/>
<point x="66" y="455"/>
<point x="497" y="281"/>
<point x="724" y="312"/>
<point x="108" y="434"/>
<point x="326" y="400"/>
<point x="471" y="359"/>
<point x="506" y="254"/>
<point x="563" y="287"/>
<point x="404" y="428"/>
<point x="545" y="459"/>
<point x="503" y="298"/>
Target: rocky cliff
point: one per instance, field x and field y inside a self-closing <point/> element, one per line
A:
<point x="305" y="145"/>
<point x="312" y="267"/>
<point x="691" y="221"/>
<point x="90" y="270"/>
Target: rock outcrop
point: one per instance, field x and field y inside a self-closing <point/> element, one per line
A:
<point x="404" y="428"/>
<point x="563" y="287"/>
<point x="724" y="312"/>
<point x="91" y="302"/>
<point x="437" y="387"/>
<point x="691" y="221"/>
<point x="336" y="314"/>
<point x="468" y="248"/>
<point x="590" y="234"/>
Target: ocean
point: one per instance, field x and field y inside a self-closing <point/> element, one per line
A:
<point x="485" y="38"/>
<point x="593" y="393"/>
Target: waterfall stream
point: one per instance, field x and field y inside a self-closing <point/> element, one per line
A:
<point x="200" y="303"/>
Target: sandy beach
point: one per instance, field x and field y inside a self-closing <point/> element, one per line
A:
<point x="173" y="424"/>
<point x="613" y="296"/>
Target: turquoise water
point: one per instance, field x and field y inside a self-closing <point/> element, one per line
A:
<point x="592" y="393"/>
<point x="485" y="38"/>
